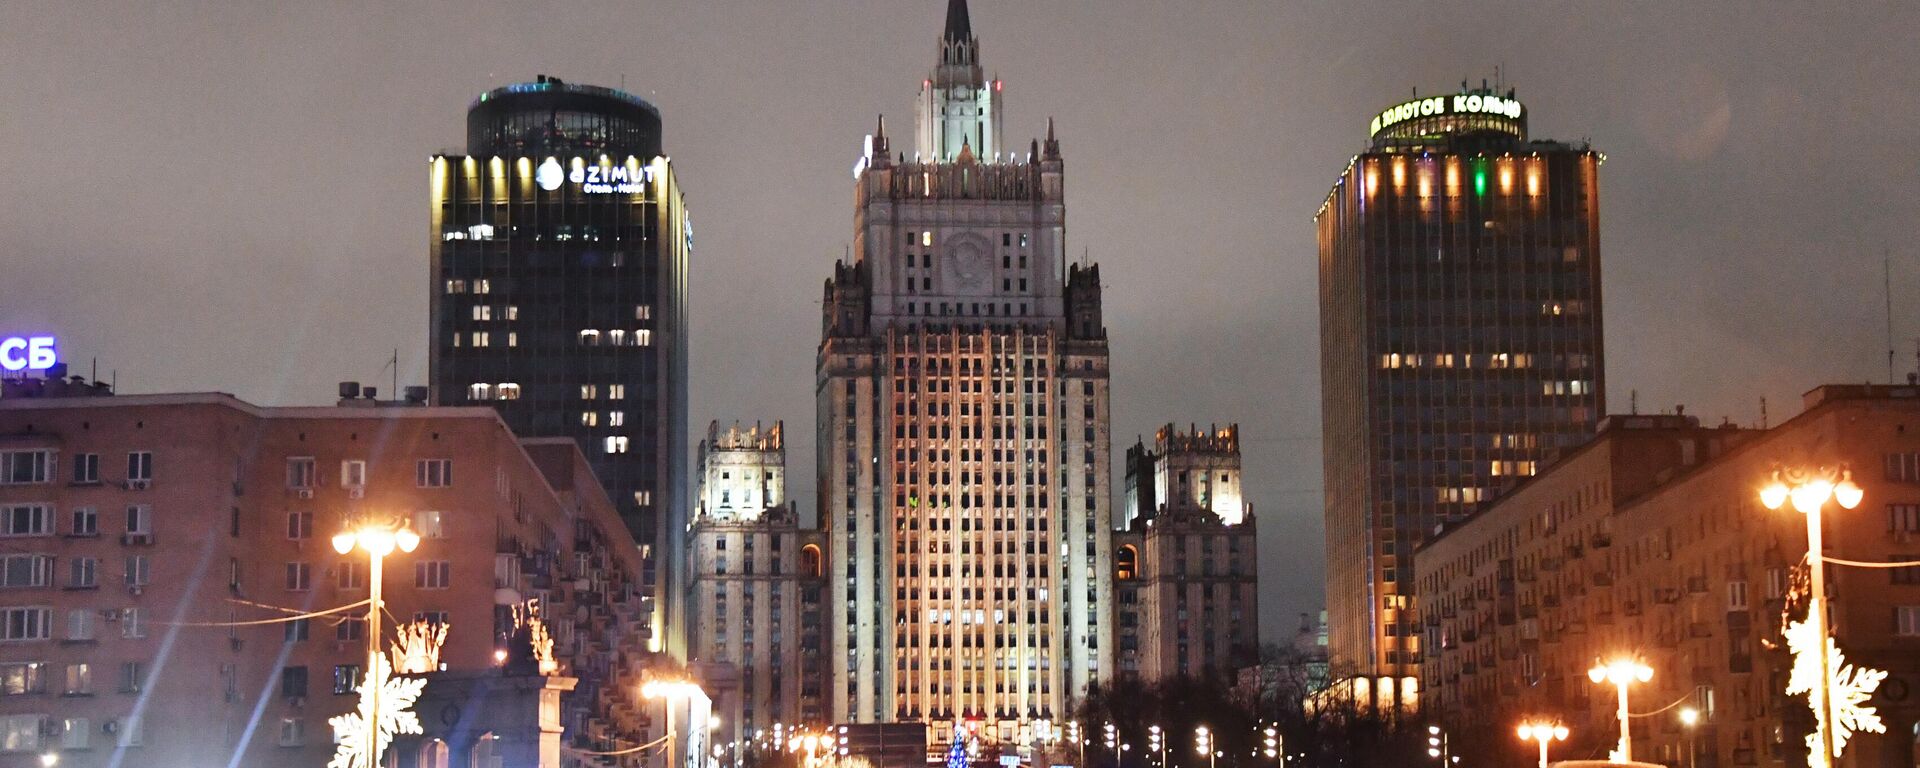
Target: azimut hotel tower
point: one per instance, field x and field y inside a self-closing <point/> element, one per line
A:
<point x="1460" y="347"/>
<point x="559" y="284"/>
<point x="963" y="427"/>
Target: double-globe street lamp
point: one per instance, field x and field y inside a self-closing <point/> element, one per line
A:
<point x="1545" y="733"/>
<point x="378" y="541"/>
<point x="1622" y="673"/>
<point x="670" y="690"/>
<point x="1810" y="490"/>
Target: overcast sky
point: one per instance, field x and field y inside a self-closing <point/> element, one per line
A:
<point x="233" y="196"/>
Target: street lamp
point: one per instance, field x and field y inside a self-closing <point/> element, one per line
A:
<point x="49" y="759"/>
<point x="1621" y="673"/>
<point x="1272" y="742"/>
<point x="1203" y="743"/>
<point x="1809" y="490"/>
<point x="1545" y="733"/>
<point x="669" y="690"/>
<point x="377" y="541"/>
<point x="1690" y="718"/>
<point x="1437" y="744"/>
<point x="1157" y="744"/>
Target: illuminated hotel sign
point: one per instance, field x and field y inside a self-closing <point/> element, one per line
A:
<point x="1457" y="104"/>
<point x="26" y="353"/>
<point x="594" y="179"/>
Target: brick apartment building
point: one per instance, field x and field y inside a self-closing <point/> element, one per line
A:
<point x="1651" y="541"/>
<point x="133" y="527"/>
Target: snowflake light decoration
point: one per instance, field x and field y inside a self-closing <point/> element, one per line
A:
<point x="1850" y="687"/>
<point x="396" y="716"/>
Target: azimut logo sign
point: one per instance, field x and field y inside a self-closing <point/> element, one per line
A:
<point x="594" y="179"/>
<point x="549" y="175"/>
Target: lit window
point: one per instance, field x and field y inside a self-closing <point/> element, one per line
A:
<point x="643" y="312"/>
<point x="616" y="444"/>
<point x="617" y="337"/>
<point x="482" y="286"/>
<point x="591" y="419"/>
<point x="511" y="312"/>
<point x="428" y="523"/>
<point x="479" y="392"/>
<point x="482" y="312"/>
<point x="616" y="418"/>
<point x="508" y="391"/>
<point x="643" y="338"/>
<point x="477" y="339"/>
<point x="590" y="391"/>
<point x="590" y="338"/>
<point x="513" y="339"/>
<point x="456" y="286"/>
<point x="616" y="391"/>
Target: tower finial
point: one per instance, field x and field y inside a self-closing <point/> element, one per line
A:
<point x="959" y="26"/>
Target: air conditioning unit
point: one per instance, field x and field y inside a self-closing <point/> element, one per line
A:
<point x="138" y="485"/>
<point x="297" y="702"/>
<point x="109" y="725"/>
<point x="133" y="589"/>
<point x="356" y="491"/>
<point x="131" y="539"/>
<point x="305" y="493"/>
<point x="109" y="614"/>
<point x="236" y="643"/>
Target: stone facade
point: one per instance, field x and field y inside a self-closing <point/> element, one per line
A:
<point x="963" y="435"/>
<point x="1186" y="570"/>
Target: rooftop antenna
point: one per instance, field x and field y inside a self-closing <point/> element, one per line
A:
<point x="1633" y="402"/>
<point x="1886" y="276"/>
<point x="1763" y="411"/>
<point x="394" y="363"/>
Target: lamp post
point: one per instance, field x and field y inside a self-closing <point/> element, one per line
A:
<point x="1203" y="743"/>
<point x="1621" y="673"/>
<point x="669" y="690"/>
<point x="1809" y="489"/>
<point x="1273" y="743"/>
<point x="1545" y="733"/>
<point x="1690" y="718"/>
<point x="377" y="541"/>
<point x="1157" y="744"/>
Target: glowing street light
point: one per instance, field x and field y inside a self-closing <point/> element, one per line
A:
<point x="1545" y="733"/>
<point x="1156" y="743"/>
<point x="670" y="690"/>
<point x="50" y="759"/>
<point x="1621" y="673"/>
<point x="1690" y="717"/>
<point x="1271" y="742"/>
<point x="378" y="541"/>
<point x="1203" y="743"/>
<point x="1809" y="490"/>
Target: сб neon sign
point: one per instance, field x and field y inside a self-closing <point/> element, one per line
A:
<point x="27" y="353"/>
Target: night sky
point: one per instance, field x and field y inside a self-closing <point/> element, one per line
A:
<point x="233" y="196"/>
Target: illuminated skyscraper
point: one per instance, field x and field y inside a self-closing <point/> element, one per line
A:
<point x="963" y="427"/>
<point x="1460" y="345"/>
<point x="560" y="245"/>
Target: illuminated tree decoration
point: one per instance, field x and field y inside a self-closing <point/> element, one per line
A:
<point x="416" y="650"/>
<point x="957" y="751"/>
<point x="1850" y="687"/>
<point x="396" y="716"/>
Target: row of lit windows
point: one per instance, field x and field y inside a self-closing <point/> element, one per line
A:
<point x="1491" y="360"/>
<point x="616" y="338"/>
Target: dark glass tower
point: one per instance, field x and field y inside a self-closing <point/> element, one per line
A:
<point x="559" y="248"/>
<point x="1460" y="346"/>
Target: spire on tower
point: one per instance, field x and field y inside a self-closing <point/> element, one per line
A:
<point x="1051" y="149"/>
<point x="959" y="27"/>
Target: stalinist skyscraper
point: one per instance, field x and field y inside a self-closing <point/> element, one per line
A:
<point x="963" y="426"/>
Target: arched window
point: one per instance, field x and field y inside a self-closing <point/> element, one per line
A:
<point x="810" y="561"/>
<point x="433" y="754"/>
<point x="483" y="752"/>
<point x="1126" y="563"/>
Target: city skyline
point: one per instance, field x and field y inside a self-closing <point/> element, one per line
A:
<point x="1719" y="168"/>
